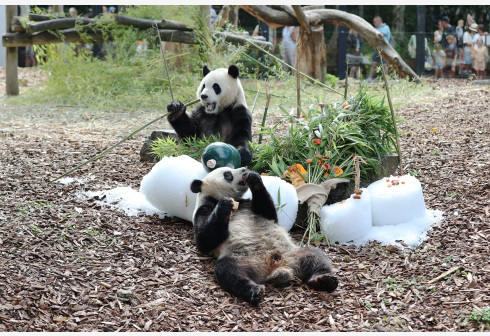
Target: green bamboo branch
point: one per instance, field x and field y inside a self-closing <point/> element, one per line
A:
<point x="284" y="63"/>
<point x="120" y="142"/>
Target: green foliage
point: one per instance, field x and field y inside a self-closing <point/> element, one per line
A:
<point x="364" y="128"/>
<point x="193" y="147"/>
<point x="480" y="316"/>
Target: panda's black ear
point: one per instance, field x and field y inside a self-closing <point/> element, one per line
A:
<point x="233" y="71"/>
<point x="196" y="186"/>
<point x="205" y="71"/>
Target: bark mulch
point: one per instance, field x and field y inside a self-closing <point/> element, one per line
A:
<point x="63" y="268"/>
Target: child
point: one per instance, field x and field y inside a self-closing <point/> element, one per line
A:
<point x="480" y="54"/>
<point x="451" y="56"/>
<point x="438" y="59"/>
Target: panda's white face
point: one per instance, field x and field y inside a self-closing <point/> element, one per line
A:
<point x="225" y="182"/>
<point x="219" y="89"/>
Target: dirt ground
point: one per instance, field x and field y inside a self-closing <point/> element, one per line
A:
<point x="62" y="268"/>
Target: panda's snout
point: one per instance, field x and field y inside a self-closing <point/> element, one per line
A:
<point x="203" y="96"/>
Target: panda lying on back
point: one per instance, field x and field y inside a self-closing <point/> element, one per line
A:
<point x="222" y="110"/>
<point x="250" y="245"/>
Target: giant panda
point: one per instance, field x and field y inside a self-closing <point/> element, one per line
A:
<point x="250" y="246"/>
<point x="222" y="111"/>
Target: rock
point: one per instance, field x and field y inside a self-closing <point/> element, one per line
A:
<point x="145" y="152"/>
<point x="481" y="82"/>
<point x="123" y="293"/>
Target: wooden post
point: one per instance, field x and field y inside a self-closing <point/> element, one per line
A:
<point x="206" y="11"/>
<point x="11" y="76"/>
<point x="58" y="9"/>
<point x="233" y="15"/>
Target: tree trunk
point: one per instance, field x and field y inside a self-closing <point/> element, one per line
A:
<point x="312" y="53"/>
<point x="398" y="22"/>
<point x="206" y="11"/>
<point x="233" y="15"/>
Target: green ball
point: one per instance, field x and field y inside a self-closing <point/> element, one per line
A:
<point x="220" y="154"/>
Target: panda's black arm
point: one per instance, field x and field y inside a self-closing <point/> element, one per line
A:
<point x="242" y="133"/>
<point x="211" y="225"/>
<point x="184" y="125"/>
<point x="262" y="203"/>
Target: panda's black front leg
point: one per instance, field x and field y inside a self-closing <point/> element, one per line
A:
<point x="211" y="225"/>
<point x="262" y="203"/>
<point x="180" y="121"/>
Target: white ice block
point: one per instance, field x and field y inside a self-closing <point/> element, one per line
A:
<point x="396" y="200"/>
<point x="349" y="219"/>
<point x="168" y="185"/>
<point x="167" y="188"/>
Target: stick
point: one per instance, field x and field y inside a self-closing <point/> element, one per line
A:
<point x="452" y="270"/>
<point x="346" y="80"/>
<point x="120" y="142"/>
<point x="166" y="66"/>
<point x="267" y="101"/>
<point x="392" y="113"/>
<point x="298" y="81"/>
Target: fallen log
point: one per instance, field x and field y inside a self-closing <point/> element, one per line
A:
<point x="58" y="24"/>
<point x="148" y="24"/>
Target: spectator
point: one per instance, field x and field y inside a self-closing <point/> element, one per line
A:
<point x="460" y="44"/>
<point x="438" y="56"/>
<point x="288" y="46"/>
<point x="448" y="30"/>
<point x="111" y="10"/>
<point x="73" y="12"/>
<point x="30" y="57"/>
<point x="480" y="54"/>
<point x="355" y="44"/>
<point x="451" y="56"/>
<point x="480" y="33"/>
<point x="385" y="30"/>
<point x="213" y="15"/>
<point x="412" y="51"/>
<point x="469" y="21"/>
<point x="262" y="29"/>
<point x="468" y="45"/>
<point x="438" y="32"/>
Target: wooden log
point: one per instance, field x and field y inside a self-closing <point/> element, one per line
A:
<point x="303" y="20"/>
<point x="149" y="24"/>
<point x="11" y="75"/>
<point x="69" y="35"/>
<point x="40" y="17"/>
<point x="275" y="19"/>
<point x="16" y="25"/>
<point x="312" y="53"/>
<point x="63" y="23"/>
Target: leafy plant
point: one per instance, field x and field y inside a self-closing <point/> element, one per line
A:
<point x="480" y="316"/>
<point x="193" y="147"/>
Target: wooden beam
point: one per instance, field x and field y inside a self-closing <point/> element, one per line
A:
<point x="72" y="36"/>
<point x="40" y="17"/>
<point x="148" y="24"/>
<point x="63" y="23"/>
<point x="303" y="20"/>
<point x="11" y="75"/>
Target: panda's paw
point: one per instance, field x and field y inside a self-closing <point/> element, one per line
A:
<point x="176" y="107"/>
<point x="224" y="208"/>
<point x="255" y="294"/>
<point x="324" y="282"/>
<point x="251" y="178"/>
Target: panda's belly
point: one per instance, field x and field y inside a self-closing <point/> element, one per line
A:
<point x="250" y="234"/>
<point x="217" y="124"/>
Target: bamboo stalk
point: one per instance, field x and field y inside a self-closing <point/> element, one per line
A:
<point x="282" y="62"/>
<point x="267" y="101"/>
<point x="119" y="142"/>
<point x="392" y="113"/>
<point x="346" y="80"/>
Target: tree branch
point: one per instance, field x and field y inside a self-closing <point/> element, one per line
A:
<point x="303" y="20"/>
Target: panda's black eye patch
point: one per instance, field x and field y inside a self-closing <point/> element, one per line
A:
<point x="228" y="176"/>
<point x="216" y="88"/>
<point x="203" y="87"/>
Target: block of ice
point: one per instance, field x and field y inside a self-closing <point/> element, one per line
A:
<point x="396" y="200"/>
<point x="167" y="188"/>
<point x="126" y="199"/>
<point x="285" y="198"/>
<point x="349" y="219"/>
<point x="167" y="185"/>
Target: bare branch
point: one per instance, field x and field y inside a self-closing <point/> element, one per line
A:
<point x="303" y="20"/>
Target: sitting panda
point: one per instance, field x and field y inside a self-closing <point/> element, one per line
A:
<point x="222" y="111"/>
<point x="250" y="246"/>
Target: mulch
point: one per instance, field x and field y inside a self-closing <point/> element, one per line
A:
<point x="63" y="268"/>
